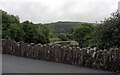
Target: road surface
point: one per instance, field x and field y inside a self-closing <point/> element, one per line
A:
<point x="14" y="64"/>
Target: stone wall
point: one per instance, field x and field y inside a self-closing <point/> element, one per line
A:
<point x="88" y="57"/>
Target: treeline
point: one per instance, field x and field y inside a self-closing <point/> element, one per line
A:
<point x="63" y="26"/>
<point x="25" y="31"/>
<point x="63" y="30"/>
<point x="104" y="35"/>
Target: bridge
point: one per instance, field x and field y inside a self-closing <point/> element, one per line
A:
<point x="15" y="64"/>
<point x="57" y="59"/>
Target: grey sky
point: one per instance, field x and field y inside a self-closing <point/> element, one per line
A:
<point x="44" y="11"/>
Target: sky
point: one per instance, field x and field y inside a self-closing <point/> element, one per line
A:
<point x="46" y="11"/>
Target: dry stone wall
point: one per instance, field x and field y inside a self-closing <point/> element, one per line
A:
<point x="88" y="57"/>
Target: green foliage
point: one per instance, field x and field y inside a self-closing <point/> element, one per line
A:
<point x="104" y="35"/>
<point x="63" y="37"/>
<point x="82" y="33"/>
<point x="44" y="29"/>
<point x="63" y="27"/>
<point x="70" y="36"/>
<point x="30" y="32"/>
<point x="15" y="32"/>
<point x="54" y="39"/>
<point x="51" y="35"/>
<point x="107" y="34"/>
<point x="26" y="31"/>
<point x="10" y="29"/>
<point x="9" y="19"/>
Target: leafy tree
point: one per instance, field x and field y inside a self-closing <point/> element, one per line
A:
<point x="7" y="22"/>
<point x="44" y="29"/>
<point x="30" y="32"/>
<point x="70" y="36"/>
<point x="41" y="38"/>
<point x="35" y="34"/>
<point x="62" y="36"/>
<point x="107" y="34"/>
<point x="82" y="33"/>
<point x="9" y="19"/>
<point x="26" y="31"/>
<point x="16" y="32"/>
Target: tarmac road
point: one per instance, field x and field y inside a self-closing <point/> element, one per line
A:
<point x="14" y="64"/>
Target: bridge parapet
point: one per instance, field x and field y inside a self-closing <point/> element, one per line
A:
<point x="88" y="57"/>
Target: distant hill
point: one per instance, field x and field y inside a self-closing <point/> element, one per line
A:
<point x="64" y="27"/>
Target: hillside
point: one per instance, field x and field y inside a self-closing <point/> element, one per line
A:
<point x="64" y="27"/>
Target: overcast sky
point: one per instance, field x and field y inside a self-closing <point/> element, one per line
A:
<point x="45" y="11"/>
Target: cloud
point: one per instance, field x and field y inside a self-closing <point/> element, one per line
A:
<point x="43" y="11"/>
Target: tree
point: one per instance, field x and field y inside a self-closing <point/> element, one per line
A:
<point x="51" y="35"/>
<point x="30" y="32"/>
<point x="8" y="18"/>
<point x="44" y="29"/>
<point x="16" y="32"/>
<point x="108" y="33"/>
<point x="62" y="36"/>
<point x="82" y="33"/>
<point x="7" y="23"/>
<point x="26" y="31"/>
<point x="35" y="33"/>
<point x="70" y="36"/>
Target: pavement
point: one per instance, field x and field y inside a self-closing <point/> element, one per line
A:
<point x="14" y="64"/>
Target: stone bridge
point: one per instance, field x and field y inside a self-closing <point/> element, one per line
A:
<point x="84" y="57"/>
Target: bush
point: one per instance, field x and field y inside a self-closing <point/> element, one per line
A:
<point x="62" y="36"/>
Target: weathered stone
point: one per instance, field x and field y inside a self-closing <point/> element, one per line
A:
<point x="105" y="58"/>
<point x="52" y="53"/>
<point x="44" y="51"/>
<point x="88" y="49"/>
<point x="74" y="56"/>
<point x="22" y="48"/>
<point x="78" y="56"/>
<point x="68" y="54"/>
<point x="62" y="54"/>
<point x="90" y="57"/>
<point x="41" y="52"/>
